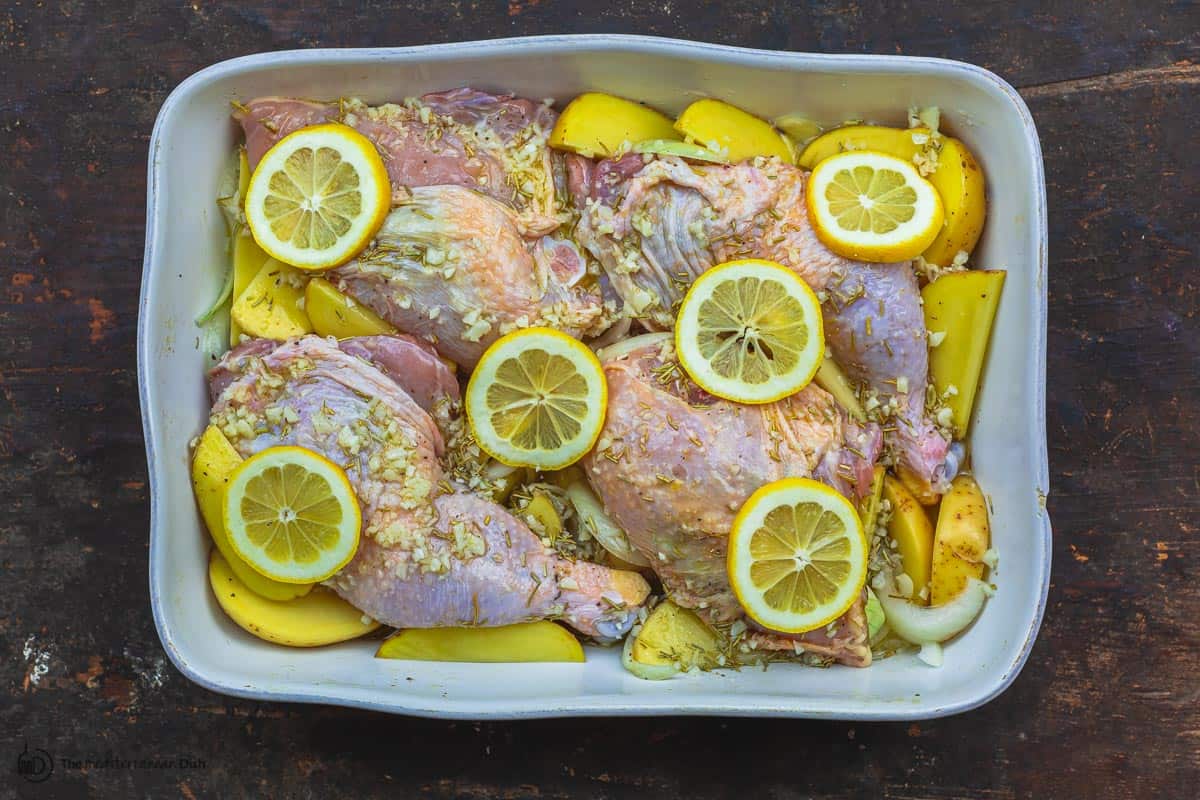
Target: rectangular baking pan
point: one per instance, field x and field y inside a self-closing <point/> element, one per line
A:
<point x="185" y="260"/>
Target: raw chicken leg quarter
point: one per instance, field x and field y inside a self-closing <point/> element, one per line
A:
<point x="432" y="553"/>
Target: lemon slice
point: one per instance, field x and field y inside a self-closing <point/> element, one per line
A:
<point x="871" y="206"/>
<point x="318" y="196"/>
<point x="797" y="555"/>
<point x="537" y="399"/>
<point x="292" y="515"/>
<point x="750" y="331"/>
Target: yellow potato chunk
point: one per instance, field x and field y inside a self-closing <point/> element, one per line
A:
<point x="913" y="533"/>
<point x="601" y="125"/>
<point x="524" y="642"/>
<point x="831" y="378"/>
<point x="728" y="129"/>
<point x="897" y="142"/>
<point x="270" y="306"/>
<point x="248" y="259"/>
<point x="247" y="256"/>
<point x="542" y="509"/>
<point x="963" y="536"/>
<point x="959" y="310"/>
<point x="958" y="178"/>
<point x="335" y="314"/>
<point x="318" y="618"/>
<point x="212" y="464"/>
<point x="673" y="635"/>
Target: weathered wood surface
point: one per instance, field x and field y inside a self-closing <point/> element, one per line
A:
<point x="1108" y="703"/>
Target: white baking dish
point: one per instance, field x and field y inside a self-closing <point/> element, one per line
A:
<point x="185" y="260"/>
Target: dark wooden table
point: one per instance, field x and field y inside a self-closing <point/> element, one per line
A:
<point x="1108" y="703"/>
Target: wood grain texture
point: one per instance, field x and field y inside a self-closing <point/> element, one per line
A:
<point x="1108" y="703"/>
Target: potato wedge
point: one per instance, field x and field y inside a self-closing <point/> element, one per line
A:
<point x="212" y="464"/>
<point x="542" y="509"/>
<point x="673" y="635"/>
<point x="335" y="314"/>
<point x="248" y="259"/>
<point x="913" y="534"/>
<point x="524" y="642"/>
<point x="728" y="129"/>
<point x="963" y="536"/>
<point x="247" y="256"/>
<point x="893" y="141"/>
<point x="958" y="178"/>
<point x="962" y="306"/>
<point x="318" y="618"/>
<point x="831" y="378"/>
<point x="270" y="306"/>
<point x="601" y="125"/>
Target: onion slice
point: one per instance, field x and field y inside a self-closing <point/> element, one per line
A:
<point x="226" y="293"/>
<point x="924" y="624"/>
<point x="627" y="346"/>
<point x="597" y="522"/>
<point x="688" y="150"/>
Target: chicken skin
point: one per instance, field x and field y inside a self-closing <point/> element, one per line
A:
<point x="432" y="554"/>
<point x="673" y="466"/>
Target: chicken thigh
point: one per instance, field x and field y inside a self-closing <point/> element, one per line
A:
<point x="431" y="553"/>
<point x="656" y="226"/>
<point x="470" y="249"/>
<point x="673" y="466"/>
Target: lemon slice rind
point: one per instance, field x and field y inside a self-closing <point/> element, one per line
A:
<point x="574" y="386"/>
<point x="373" y="192"/>
<point x="800" y="307"/>
<point x="829" y="207"/>
<point x="250" y="504"/>
<point x="754" y="541"/>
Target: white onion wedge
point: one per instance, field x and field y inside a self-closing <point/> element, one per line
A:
<point x="931" y="654"/>
<point x="923" y="624"/>
<point x="597" y="522"/>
